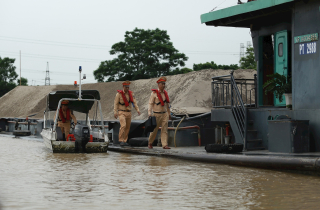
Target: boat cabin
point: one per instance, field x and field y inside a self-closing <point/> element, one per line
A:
<point x="285" y="36"/>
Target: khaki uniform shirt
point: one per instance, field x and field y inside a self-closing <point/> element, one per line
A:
<point x="154" y="100"/>
<point x="118" y="106"/>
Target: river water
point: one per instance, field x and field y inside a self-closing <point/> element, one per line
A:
<point x="31" y="177"/>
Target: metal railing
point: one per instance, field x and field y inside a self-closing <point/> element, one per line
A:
<point x="221" y="91"/>
<point x="230" y="90"/>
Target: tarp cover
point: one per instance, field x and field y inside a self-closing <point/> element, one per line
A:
<point x="79" y="106"/>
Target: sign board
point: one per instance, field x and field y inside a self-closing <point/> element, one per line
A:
<point x="307" y="48"/>
<point x="306" y="38"/>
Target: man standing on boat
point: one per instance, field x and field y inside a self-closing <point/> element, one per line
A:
<point x="122" y="109"/>
<point x="159" y="105"/>
<point x="64" y="119"/>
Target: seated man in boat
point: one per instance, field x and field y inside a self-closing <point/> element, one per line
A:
<point x="64" y="119"/>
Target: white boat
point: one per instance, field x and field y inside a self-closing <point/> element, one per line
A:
<point x="89" y="137"/>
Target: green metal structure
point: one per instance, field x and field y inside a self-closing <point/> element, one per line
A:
<point x="241" y="9"/>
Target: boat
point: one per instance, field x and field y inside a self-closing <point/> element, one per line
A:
<point x="87" y="136"/>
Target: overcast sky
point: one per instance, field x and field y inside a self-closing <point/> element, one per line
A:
<point x="73" y="33"/>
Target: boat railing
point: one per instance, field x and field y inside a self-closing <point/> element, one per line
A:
<point x="235" y="90"/>
<point x="221" y="91"/>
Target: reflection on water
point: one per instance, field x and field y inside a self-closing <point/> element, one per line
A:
<point x="33" y="178"/>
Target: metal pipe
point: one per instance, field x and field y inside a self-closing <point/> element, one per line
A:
<point x="222" y="94"/>
<point x="175" y="133"/>
<point x="255" y="91"/>
<point x="20" y="67"/>
<point x="216" y="132"/>
<point x="101" y="116"/>
<point x="106" y="126"/>
<point x="56" y="117"/>
<point x="80" y="82"/>
<point x="188" y="128"/>
<point x="245" y="133"/>
<point x="246" y="94"/>
<point x="44" y="119"/>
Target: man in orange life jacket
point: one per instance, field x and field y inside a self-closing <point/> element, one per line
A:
<point x="64" y="119"/>
<point x="159" y="104"/>
<point x="122" y="104"/>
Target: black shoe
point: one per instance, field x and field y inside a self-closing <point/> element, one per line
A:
<point x="121" y="144"/>
<point x="126" y="144"/>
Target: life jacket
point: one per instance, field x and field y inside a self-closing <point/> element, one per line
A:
<point x="160" y="97"/>
<point x="61" y="116"/>
<point x="126" y="102"/>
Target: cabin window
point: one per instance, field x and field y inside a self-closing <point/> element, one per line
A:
<point x="280" y="50"/>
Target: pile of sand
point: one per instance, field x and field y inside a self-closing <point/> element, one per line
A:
<point x="190" y="92"/>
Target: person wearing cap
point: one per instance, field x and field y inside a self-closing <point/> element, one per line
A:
<point x="64" y="119"/>
<point x="122" y="109"/>
<point x="159" y="107"/>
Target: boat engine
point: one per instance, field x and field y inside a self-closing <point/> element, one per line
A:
<point x="82" y="135"/>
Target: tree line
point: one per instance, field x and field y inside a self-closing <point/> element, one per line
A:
<point x="8" y="76"/>
<point x="149" y="53"/>
<point x="143" y="54"/>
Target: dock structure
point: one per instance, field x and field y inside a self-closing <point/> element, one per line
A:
<point x="308" y="163"/>
<point x="285" y="36"/>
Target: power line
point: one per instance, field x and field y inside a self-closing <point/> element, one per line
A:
<point x="55" y="57"/>
<point x="64" y="44"/>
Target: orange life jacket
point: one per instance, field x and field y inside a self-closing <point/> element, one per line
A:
<point x="160" y="97"/>
<point x="126" y="102"/>
<point x="62" y="118"/>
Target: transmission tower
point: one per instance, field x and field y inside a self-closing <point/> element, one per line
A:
<point x="249" y="44"/>
<point x="242" y="50"/>
<point x="47" y="79"/>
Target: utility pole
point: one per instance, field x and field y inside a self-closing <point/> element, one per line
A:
<point x="47" y="79"/>
<point x="20" y="67"/>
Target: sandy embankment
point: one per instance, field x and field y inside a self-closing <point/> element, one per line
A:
<point x="191" y="91"/>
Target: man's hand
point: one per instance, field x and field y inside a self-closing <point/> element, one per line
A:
<point x="139" y="113"/>
<point x="149" y="114"/>
<point x="116" y="116"/>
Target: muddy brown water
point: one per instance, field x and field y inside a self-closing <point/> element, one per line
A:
<point x="31" y="177"/>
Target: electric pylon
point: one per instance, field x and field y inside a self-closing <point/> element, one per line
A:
<point x="47" y="79"/>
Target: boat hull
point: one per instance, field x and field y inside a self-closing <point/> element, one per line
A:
<point x="55" y="146"/>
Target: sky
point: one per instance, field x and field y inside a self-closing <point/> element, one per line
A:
<point x="67" y="34"/>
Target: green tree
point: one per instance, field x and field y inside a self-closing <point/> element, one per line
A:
<point x="24" y="81"/>
<point x="7" y="75"/>
<point x="180" y="71"/>
<point x="143" y="54"/>
<point x="248" y="62"/>
<point x="213" y="65"/>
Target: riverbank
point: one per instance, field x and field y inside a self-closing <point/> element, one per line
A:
<point x="299" y="162"/>
<point x="27" y="100"/>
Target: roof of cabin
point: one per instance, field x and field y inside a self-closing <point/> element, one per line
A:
<point x="244" y="15"/>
